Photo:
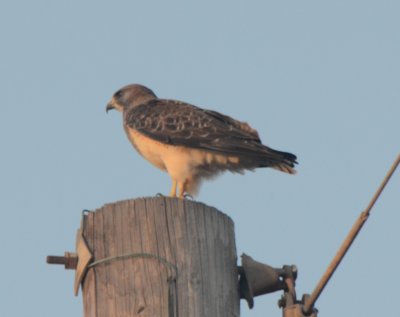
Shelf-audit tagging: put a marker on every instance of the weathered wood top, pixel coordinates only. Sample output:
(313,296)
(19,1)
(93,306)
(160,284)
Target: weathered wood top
(160,256)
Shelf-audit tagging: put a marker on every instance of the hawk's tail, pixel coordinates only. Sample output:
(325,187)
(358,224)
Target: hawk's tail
(282,161)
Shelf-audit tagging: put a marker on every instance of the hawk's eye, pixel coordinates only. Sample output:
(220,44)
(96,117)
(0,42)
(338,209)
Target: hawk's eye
(118,94)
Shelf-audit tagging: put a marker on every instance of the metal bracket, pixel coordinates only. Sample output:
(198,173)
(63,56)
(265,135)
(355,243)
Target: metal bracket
(84,258)
(78,261)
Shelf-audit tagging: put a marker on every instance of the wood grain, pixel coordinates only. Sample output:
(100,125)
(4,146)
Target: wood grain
(182,260)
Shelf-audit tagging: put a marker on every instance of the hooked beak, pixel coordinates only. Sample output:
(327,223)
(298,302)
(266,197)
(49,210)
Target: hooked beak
(110,105)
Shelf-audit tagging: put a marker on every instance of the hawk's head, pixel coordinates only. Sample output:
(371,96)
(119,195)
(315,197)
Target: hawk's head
(130,96)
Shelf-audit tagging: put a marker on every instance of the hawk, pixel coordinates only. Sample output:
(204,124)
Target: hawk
(190,143)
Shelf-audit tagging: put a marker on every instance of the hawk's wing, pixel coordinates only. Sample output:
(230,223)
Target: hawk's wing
(178,123)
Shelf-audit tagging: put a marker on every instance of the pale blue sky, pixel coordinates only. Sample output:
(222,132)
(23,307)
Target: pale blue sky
(319,79)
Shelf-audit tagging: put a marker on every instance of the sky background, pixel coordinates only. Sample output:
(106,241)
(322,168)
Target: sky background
(320,79)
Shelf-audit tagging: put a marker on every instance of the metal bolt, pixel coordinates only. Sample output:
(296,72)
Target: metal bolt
(70,260)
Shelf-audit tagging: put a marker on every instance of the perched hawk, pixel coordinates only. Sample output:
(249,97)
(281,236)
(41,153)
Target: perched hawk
(190,143)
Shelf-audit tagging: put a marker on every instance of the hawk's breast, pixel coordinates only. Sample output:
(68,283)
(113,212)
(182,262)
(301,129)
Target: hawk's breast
(150,149)
(180,160)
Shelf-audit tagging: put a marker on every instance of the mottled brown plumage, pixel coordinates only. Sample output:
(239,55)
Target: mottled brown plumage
(189,142)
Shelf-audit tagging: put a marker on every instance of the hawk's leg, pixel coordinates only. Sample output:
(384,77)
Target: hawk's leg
(172,193)
(182,189)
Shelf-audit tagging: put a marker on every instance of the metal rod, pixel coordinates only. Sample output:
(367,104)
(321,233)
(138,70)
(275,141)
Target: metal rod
(70,260)
(347,242)
(54,259)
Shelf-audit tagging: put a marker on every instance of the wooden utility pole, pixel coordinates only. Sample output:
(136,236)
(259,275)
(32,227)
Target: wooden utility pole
(170,257)
(160,257)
